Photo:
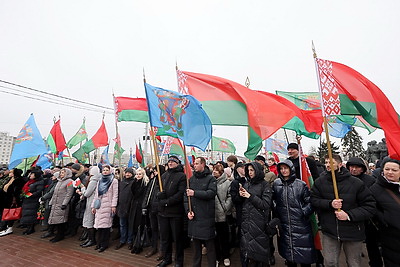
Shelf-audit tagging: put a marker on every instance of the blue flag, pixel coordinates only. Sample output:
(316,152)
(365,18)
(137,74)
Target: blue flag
(276,145)
(338,128)
(45,161)
(178,115)
(104,156)
(130,162)
(28,143)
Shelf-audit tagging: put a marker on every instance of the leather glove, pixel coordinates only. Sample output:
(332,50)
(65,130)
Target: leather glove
(161,195)
(144,211)
(63,207)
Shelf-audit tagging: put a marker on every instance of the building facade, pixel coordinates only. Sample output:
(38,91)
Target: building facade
(6,147)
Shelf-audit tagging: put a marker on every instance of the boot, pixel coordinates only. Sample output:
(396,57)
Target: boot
(91,238)
(29,230)
(50,232)
(84,234)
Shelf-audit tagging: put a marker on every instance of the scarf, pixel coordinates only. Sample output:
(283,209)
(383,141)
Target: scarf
(5,188)
(105,183)
(25,189)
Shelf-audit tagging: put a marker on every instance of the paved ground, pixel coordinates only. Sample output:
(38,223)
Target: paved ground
(19,250)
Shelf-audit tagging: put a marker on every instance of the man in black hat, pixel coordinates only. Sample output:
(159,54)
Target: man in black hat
(171,211)
(293,152)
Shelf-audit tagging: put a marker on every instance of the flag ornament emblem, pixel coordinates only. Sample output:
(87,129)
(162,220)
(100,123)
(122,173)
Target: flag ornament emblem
(172,108)
(329,91)
(26,134)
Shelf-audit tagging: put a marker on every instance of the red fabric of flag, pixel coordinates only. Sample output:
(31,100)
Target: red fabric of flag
(139,157)
(101,136)
(58,136)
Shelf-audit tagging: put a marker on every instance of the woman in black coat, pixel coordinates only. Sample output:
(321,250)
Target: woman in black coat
(139,186)
(387,195)
(12,196)
(256,207)
(293,208)
(31,192)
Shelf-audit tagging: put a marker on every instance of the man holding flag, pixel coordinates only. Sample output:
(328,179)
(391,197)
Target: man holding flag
(342,220)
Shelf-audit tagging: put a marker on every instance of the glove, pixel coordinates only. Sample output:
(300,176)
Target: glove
(161,195)
(41,200)
(63,207)
(144,211)
(163,202)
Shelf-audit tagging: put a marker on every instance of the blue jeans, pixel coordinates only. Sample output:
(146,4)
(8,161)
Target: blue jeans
(126,234)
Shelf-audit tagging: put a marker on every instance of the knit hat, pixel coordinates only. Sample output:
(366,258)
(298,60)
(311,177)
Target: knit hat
(174,159)
(130,170)
(293,146)
(76,166)
(261,158)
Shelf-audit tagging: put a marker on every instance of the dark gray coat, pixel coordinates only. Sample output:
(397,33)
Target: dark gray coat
(202,226)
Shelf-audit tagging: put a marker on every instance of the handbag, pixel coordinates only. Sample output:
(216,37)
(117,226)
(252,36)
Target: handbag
(12,214)
(97,203)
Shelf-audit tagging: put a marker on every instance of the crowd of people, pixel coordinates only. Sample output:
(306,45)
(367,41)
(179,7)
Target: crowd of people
(223,206)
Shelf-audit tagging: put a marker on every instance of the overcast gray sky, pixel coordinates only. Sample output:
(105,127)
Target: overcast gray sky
(86,49)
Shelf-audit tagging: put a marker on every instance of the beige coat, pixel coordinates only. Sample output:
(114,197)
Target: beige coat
(62,195)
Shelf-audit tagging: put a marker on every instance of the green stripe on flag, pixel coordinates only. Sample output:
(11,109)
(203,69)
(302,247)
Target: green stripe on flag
(133,115)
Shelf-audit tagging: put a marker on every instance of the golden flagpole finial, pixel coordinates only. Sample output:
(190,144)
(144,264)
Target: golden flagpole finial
(313,49)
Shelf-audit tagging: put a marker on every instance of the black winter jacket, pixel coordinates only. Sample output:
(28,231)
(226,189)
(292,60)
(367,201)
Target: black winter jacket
(174,185)
(255,241)
(358,203)
(30,205)
(124,197)
(202,226)
(14,193)
(236,198)
(293,208)
(150,201)
(135,213)
(389,217)
(312,165)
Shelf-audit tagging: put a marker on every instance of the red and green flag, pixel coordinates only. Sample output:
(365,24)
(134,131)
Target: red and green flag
(222,145)
(344,91)
(229,103)
(56,140)
(131,109)
(311,101)
(98,140)
(139,154)
(118,150)
(79,137)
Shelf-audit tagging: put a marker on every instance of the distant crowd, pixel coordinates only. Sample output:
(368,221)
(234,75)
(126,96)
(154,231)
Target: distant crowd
(221,207)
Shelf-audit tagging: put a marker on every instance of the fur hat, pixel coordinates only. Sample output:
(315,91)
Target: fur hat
(76,166)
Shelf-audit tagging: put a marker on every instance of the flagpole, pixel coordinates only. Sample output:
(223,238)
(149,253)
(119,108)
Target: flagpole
(335,189)
(153,137)
(187,178)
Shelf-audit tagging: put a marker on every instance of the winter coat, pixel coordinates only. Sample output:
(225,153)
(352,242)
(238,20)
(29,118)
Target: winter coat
(367,179)
(269,176)
(223,200)
(174,186)
(30,205)
(236,198)
(89,194)
(125,196)
(135,213)
(14,193)
(78,205)
(48,194)
(202,226)
(104,217)
(388,213)
(293,208)
(150,201)
(254,240)
(61,197)
(358,203)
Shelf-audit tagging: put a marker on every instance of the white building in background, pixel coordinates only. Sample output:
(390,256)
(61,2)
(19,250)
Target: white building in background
(6,146)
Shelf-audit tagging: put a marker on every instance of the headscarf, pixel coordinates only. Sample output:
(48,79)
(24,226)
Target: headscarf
(105,183)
